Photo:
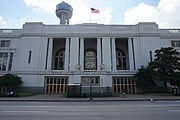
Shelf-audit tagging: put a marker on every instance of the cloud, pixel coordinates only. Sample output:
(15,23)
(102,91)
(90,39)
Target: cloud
(46,5)
(22,19)
(103,17)
(166,13)
(2,22)
(81,12)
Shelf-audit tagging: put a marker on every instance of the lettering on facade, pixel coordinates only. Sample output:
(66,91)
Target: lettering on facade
(32,28)
(148,29)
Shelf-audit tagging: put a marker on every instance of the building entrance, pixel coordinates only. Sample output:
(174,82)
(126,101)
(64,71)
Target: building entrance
(56,84)
(123,83)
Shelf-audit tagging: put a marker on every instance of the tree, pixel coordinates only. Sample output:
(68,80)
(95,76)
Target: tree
(166,64)
(10,81)
(144,78)
(176,80)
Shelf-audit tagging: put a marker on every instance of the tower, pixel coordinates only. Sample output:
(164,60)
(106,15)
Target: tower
(64,12)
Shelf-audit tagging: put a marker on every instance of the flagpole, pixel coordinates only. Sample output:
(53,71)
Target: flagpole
(90,16)
(93,10)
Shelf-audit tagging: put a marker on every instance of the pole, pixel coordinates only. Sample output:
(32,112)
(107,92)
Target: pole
(90,18)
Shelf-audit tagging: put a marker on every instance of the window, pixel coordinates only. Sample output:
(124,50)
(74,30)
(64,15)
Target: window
(56,84)
(5,43)
(5,63)
(94,80)
(59,59)
(90,59)
(120,83)
(175,43)
(29,59)
(120,59)
(150,53)
(7,31)
(173,31)
(10,61)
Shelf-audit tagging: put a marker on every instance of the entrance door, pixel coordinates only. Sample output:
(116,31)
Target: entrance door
(56,84)
(123,83)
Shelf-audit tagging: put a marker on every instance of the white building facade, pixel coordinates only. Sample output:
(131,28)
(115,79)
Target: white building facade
(49,57)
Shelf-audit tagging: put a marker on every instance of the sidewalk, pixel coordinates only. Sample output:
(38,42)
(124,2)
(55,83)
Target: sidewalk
(59,97)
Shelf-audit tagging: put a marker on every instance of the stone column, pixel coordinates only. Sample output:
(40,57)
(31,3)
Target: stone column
(66,65)
(74,53)
(81,53)
(50,57)
(8,59)
(130,53)
(106,54)
(113,54)
(99,59)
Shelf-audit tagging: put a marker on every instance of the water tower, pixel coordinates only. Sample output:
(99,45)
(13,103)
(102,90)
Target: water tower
(64,12)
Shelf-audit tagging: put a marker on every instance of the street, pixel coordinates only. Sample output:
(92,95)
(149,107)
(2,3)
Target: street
(106,110)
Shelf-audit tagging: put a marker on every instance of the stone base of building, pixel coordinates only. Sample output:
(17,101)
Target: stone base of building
(29,89)
(97,91)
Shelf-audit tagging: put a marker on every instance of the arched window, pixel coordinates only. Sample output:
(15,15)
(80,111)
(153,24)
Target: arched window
(120,59)
(90,59)
(59,60)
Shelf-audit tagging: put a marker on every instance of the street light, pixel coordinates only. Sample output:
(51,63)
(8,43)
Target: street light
(91,88)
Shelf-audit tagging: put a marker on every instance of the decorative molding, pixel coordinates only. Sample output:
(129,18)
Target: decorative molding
(78,67)
(7,49)
(102,66)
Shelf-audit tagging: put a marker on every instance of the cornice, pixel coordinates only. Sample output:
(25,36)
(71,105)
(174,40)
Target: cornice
(169,36)
(57,73)
(99,35)
(86,35)
(32,35)
(10,36)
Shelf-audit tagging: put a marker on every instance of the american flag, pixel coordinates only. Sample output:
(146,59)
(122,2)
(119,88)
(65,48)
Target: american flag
(93,10)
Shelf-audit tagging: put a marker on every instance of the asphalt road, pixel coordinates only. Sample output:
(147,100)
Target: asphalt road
(120,110)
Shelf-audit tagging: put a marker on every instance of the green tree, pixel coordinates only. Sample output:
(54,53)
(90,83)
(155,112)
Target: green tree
(166,64)
(176,80)
(144,79)
(10,81)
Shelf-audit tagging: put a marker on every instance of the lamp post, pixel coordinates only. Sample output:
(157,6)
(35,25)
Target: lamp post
(91,88)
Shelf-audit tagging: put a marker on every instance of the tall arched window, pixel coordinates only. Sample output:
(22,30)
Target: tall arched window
(120,59)
(59,60)
(90,59)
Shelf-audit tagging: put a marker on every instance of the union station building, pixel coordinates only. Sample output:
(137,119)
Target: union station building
(50,57)
(94,58)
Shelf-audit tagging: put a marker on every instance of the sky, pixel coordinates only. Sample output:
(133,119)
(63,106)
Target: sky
(14,13)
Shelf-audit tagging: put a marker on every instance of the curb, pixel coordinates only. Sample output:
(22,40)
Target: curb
(78,100)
